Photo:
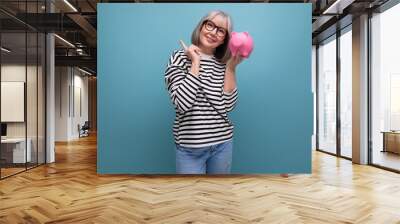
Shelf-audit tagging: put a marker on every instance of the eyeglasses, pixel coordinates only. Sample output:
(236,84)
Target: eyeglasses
(210,26)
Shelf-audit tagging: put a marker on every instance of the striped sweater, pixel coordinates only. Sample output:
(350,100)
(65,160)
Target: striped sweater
(196,100)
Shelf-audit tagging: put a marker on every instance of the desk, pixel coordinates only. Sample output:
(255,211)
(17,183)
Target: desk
(17,152)
(391,141)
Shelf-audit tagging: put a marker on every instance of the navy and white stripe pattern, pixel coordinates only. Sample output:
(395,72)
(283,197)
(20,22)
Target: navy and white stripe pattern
(197,123)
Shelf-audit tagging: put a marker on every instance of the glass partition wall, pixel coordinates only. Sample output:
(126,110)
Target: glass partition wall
(22,88)
(327,95)
(334,94)
(13,89)
(334,106)
(385,89)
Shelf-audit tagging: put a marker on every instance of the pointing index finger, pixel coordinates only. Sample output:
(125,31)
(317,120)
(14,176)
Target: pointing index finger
(183,44)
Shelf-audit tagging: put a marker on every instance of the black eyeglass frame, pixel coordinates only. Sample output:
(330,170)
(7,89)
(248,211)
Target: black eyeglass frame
(225,32)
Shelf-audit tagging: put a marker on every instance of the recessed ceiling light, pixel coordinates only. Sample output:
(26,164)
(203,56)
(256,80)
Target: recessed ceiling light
(84,71)
(338,6)
(70,5)
(5,49)
(64,40)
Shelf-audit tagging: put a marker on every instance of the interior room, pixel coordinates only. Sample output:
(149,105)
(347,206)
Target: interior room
(52,123)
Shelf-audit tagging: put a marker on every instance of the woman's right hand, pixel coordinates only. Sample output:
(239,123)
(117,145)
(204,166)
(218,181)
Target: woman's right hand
(193,52)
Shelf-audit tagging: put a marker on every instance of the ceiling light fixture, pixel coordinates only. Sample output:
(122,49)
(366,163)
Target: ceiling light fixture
(70,5)
(64,40)
(5,49)
(337,7)
(84,71)
(331,7)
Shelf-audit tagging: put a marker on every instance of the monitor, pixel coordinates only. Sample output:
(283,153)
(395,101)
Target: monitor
(3,129)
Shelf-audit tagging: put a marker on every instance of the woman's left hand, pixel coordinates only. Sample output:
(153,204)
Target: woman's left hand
(233,62)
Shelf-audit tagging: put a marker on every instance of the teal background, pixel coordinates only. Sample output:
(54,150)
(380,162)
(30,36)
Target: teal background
(273,117)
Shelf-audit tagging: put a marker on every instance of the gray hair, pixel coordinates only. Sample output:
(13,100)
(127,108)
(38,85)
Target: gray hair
(222,52)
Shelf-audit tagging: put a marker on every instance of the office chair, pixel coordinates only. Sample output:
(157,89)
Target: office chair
(84,130)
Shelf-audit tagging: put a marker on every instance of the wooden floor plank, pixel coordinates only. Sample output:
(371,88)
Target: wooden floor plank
(70,191)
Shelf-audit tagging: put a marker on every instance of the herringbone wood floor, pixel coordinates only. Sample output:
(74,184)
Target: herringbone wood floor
(70,191)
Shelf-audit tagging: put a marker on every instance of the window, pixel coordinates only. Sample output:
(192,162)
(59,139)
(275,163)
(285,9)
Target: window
(346,92)
(327,95)
(385,88)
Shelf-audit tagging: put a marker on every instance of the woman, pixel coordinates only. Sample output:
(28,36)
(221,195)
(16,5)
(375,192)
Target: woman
(202,85)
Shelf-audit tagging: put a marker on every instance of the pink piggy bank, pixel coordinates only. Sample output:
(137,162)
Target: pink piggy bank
(241,44)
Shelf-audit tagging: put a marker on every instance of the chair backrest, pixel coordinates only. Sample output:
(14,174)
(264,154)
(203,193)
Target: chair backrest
(86,125)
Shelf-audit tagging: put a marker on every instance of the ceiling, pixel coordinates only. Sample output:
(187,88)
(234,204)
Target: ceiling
(76,22)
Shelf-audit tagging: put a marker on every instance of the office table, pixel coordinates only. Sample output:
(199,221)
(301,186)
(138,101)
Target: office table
(16,153)
(391,141)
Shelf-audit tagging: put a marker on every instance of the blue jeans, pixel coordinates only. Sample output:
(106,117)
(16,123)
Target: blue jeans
(215,159)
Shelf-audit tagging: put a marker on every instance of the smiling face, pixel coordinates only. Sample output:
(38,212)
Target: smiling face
(213,33)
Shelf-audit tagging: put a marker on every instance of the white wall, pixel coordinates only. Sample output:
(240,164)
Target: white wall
(80,89)
(70,84)
(12,73)
(33,127)
(62,81)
